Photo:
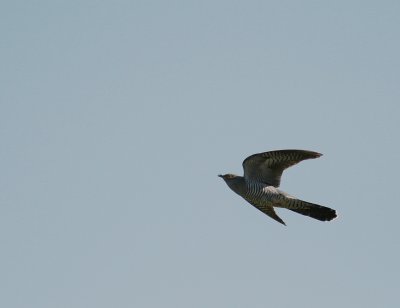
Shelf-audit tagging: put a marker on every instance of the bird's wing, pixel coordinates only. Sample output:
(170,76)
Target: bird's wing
(267,167)
(269,210)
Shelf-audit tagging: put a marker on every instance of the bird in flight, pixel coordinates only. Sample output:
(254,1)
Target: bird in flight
(262,177)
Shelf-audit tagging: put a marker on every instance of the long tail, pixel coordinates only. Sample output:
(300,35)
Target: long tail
(313,210)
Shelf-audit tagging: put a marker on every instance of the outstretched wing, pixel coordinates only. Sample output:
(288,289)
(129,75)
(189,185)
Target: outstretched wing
(269,210)
(267,167)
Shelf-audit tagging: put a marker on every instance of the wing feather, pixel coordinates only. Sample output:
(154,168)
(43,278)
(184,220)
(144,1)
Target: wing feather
(268,167)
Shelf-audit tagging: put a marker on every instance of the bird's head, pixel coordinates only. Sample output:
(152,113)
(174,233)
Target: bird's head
(228,176)
(235,182)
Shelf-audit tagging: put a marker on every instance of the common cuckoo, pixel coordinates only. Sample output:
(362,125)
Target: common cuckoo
(262,176)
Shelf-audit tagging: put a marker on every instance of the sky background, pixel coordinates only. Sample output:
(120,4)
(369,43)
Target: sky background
(117,116)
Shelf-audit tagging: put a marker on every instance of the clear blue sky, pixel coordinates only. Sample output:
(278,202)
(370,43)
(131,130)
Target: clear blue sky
(117,116)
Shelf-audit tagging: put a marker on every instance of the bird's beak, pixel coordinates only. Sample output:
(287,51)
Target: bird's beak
(220,175)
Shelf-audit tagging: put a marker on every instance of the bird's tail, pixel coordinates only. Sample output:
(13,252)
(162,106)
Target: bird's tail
(313,210)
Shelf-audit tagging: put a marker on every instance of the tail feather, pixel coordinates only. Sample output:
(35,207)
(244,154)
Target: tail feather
(314,210)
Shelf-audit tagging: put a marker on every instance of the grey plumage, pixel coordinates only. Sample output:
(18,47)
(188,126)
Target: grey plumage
(262,177)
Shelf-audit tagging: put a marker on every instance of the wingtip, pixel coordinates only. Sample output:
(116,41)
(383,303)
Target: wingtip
(317,154)
(281,221)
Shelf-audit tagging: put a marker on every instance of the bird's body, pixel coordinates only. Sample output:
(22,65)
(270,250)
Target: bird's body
(259,185)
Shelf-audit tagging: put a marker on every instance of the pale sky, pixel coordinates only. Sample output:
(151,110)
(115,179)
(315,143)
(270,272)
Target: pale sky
(117,116)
